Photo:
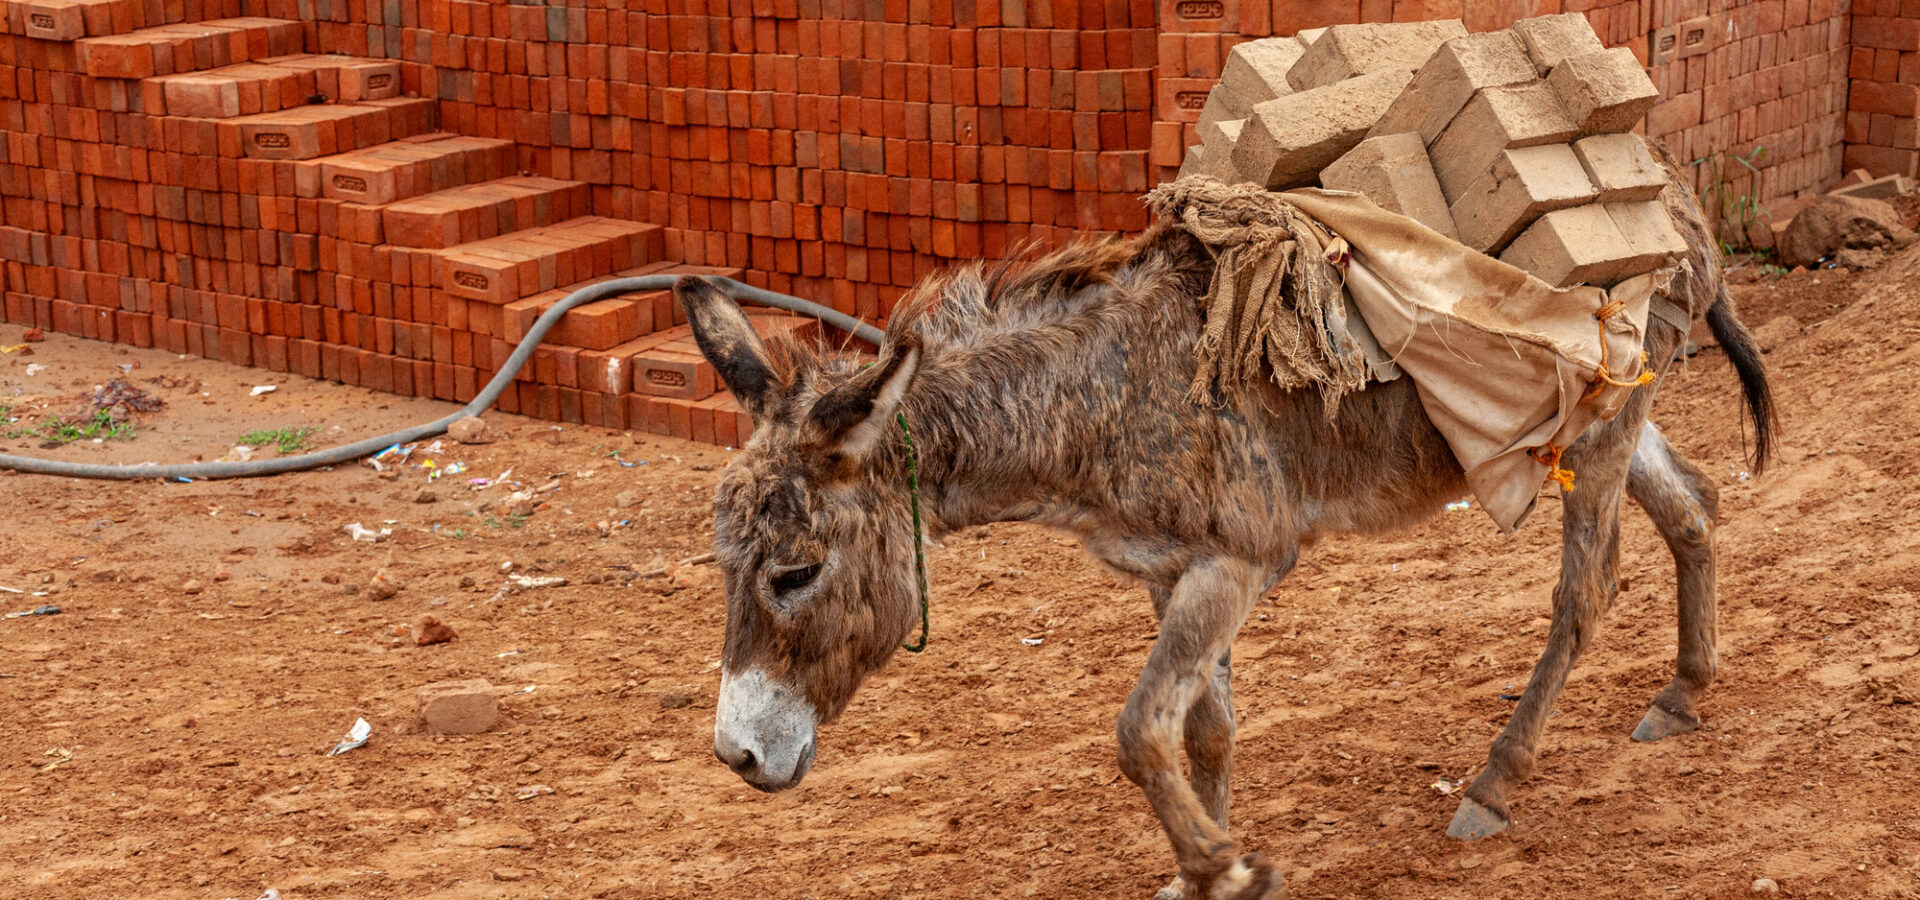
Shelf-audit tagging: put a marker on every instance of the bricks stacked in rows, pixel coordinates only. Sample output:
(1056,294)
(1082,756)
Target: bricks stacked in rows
(1883,94)
(1513,142)
(220,211)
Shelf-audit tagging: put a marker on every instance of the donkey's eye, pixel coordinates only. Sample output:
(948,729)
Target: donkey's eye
(792,578)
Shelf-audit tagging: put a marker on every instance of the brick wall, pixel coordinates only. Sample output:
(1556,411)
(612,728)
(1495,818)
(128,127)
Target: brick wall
(1883,99)
(1734,75)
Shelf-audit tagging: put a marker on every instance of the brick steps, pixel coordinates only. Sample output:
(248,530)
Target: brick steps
(405,168)
(187,47)
(474,212)
(513,266)
(268,86)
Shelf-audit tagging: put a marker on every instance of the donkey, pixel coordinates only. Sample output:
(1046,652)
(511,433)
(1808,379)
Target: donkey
(1057,393)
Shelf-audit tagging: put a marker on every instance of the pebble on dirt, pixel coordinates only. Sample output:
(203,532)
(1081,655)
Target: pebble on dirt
(677,698)
(1765,886)
(384,585)
(471,430)
(458,707)
(627,499)
(430,630)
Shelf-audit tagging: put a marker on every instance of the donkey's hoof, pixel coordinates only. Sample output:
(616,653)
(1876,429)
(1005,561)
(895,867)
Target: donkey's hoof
(1472,821)
(1659,723)
(1178,890)
(1251,878)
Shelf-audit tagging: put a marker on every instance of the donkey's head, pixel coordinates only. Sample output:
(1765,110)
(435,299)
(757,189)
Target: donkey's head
(812,532)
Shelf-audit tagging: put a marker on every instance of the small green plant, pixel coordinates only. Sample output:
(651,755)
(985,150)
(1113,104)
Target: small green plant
(290,439)
(517,521)
(1774,270)
(459,534)
(1736,211)
(102,426)
(491,522)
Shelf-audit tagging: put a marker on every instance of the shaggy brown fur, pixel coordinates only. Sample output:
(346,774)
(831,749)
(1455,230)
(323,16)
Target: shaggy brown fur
(1056,393)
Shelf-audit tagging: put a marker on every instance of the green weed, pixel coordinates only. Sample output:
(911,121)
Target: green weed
(290,439)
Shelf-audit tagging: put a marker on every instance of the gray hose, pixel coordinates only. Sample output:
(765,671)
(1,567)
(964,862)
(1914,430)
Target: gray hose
(481,403)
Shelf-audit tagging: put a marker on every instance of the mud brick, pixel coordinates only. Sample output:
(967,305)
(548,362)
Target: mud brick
(1457,70)
(1604,92)
(680,374)
(1256,71)
(1221,105)
(700,421)
(1652,239)
(598,325)
(1217,161)
(1393,171)
(52,20)
(1551,39)
(1497,119)
(484,278)
(236,347)
(457,707)
(1621,166)
(1193,163)
(1524,183)
(366,79)
(1287,141)
(1347,51)
(1198,16)
(207,96)
(1580,245)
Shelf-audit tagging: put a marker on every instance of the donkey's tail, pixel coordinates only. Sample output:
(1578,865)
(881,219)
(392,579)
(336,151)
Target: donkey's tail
(1745,355)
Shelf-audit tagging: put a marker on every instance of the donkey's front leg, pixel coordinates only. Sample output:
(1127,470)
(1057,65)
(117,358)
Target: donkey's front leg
(1589,563)
(1197,626)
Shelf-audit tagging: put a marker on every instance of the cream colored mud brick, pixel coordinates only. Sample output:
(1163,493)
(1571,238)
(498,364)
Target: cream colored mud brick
(1604,92)
(1256,71)
(1346,51)
(1393,171)
(1191,163)
(1222,134)
(1496,119)
(1307,37)
(1443,86)
(1652,241)
(1524,184)
(1287,141)
(458,707)
(1621,166)
(1573,246)
(1550,39)
(1219,107)
(1218,164)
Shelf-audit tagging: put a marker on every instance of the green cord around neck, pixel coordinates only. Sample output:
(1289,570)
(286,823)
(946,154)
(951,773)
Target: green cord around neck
(919,552)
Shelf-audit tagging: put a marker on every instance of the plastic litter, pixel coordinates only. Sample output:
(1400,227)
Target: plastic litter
(47,610)
(531,791)
(271,894)
(35,369)
(356,738)
(259,389)
(1447,787)
(362,533)
(1459,505)
(1033,642)
(529,582)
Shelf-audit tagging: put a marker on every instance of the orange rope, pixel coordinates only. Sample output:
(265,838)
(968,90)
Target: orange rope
(1551,459)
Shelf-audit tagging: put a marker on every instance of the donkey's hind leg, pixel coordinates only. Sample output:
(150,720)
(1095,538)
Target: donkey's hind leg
(1589,563)
(1209,731)
(1684,505)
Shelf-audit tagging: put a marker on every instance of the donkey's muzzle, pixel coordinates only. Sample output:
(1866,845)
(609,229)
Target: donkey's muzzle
(763,731)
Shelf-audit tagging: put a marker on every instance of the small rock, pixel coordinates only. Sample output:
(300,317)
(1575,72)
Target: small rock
(471,430)
(34,336)
(627,499)
(193,586)
(1777,331)
(1835,222)
(457,707)
(1765,886)
(383,586)
(331,578)
(522,508)
(426,496)
(221,574)
(677,698)
(429,630)
(509,874)
(466,581)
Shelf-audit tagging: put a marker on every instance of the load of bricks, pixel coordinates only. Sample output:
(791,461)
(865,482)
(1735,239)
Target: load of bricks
(1517,143)
(189,178)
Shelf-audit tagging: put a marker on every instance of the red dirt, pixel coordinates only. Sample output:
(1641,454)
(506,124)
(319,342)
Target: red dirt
(167,744)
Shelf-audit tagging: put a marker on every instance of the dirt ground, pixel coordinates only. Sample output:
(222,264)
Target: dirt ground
(166,734)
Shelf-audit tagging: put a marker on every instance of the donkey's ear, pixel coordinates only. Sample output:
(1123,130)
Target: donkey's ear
(728,341)
(851,418)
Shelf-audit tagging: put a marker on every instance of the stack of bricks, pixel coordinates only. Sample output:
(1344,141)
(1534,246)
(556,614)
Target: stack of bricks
(836,150)
(1883,99)
(209,187)
(1733,76)
(1513,142)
